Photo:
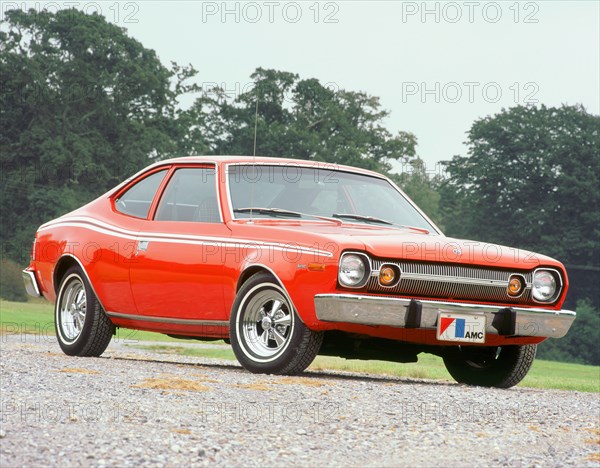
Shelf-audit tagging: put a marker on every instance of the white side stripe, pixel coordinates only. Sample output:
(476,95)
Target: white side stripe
(108,229)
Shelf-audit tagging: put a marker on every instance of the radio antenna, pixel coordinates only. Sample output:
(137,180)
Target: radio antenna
(254,154)
(255,126)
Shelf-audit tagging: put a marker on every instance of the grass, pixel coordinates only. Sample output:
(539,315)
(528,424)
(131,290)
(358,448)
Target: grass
(543,374)
(36,317)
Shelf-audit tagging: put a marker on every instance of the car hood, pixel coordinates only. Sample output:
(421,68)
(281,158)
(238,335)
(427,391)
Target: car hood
(406,244)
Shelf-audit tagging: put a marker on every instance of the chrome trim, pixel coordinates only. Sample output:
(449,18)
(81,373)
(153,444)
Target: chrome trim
(455,279)
(559,288)
(228,193)
(459,281)
(217,193)
(148,318)
(30,282)
(392,312)
(142,246)
(368,272)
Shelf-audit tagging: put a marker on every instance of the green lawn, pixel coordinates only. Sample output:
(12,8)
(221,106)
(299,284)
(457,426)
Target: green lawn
(36,318)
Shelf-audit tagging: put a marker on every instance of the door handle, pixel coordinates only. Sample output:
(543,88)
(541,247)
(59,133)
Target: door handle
(142,246)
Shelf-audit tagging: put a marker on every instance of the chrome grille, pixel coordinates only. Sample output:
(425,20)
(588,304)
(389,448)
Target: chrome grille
(421,279)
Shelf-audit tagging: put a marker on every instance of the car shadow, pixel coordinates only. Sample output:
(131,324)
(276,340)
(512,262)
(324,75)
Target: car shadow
(324,375)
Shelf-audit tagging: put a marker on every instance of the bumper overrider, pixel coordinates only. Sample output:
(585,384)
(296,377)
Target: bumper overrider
(31,285)
(423,314)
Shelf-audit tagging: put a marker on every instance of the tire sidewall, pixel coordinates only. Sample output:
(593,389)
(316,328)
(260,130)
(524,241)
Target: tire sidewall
(497,374)
(77,345)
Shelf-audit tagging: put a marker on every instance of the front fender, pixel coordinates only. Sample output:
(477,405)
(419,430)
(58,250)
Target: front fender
(299,275)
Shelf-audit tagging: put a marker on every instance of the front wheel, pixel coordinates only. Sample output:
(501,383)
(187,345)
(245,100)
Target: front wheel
(82,327)
(496,366)
(267,335)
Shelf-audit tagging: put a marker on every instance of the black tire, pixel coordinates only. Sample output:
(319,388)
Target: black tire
(277,343)
(82,327)
(501,367)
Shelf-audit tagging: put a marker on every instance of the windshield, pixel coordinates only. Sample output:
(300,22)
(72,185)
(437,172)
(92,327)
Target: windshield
(271,191)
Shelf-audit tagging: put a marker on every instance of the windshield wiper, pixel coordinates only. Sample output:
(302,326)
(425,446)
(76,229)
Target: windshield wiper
(271,211)
(372,219)
(414,228)
(369,219)
(282,212)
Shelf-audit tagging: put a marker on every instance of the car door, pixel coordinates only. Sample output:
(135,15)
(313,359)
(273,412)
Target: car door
(114,240)
(177,271)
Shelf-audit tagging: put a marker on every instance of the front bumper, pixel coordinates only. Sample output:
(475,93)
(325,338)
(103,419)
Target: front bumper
(407,313)
(31,285)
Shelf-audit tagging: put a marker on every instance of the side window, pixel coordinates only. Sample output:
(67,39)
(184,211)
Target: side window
(191,195)
(137,200)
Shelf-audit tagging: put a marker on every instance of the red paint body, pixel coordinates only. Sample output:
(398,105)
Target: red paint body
(192,270)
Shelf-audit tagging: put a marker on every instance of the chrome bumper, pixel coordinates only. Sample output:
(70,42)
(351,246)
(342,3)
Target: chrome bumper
(406,313)
(31,285)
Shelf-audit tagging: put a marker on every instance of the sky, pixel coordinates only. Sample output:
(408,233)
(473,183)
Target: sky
(436,66)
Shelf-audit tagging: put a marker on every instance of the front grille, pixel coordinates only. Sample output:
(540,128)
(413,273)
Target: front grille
(446,281)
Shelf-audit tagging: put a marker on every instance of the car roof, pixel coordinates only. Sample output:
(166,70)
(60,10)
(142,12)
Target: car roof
(224,160)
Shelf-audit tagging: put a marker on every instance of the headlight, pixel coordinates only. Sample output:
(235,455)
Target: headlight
(544,286)
(353,271)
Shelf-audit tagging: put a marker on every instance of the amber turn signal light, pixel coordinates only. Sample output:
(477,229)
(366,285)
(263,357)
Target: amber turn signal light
(387,276)
(515,286)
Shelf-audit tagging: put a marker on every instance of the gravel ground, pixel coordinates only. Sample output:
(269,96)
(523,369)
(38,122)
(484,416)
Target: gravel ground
(132,407)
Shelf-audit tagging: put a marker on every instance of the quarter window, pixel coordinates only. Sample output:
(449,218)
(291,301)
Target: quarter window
(191,195)
(137,200)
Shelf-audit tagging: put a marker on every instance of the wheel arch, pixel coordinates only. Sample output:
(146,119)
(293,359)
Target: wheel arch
(255,268)
(252,270)
(63,264)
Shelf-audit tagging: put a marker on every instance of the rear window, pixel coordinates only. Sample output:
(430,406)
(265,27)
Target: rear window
(137,200)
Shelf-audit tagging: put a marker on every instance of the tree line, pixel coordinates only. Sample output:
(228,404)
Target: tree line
(83,105)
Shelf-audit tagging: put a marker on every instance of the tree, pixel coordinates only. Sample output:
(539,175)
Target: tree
(11,283)
(296,118)
(530,180)
(581,344)
(82,106)
(415,181)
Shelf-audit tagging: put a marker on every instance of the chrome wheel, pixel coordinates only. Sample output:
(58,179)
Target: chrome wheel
(267,323)
(72,309)
(267,335)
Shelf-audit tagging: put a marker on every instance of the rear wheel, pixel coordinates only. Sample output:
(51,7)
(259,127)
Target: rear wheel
(497,366)
(267,335)
(82,327)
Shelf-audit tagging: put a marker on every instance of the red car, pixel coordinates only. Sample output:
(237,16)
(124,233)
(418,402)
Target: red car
(288,259)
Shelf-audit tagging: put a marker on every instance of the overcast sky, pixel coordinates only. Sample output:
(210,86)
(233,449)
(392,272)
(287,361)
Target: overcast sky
(437,66)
